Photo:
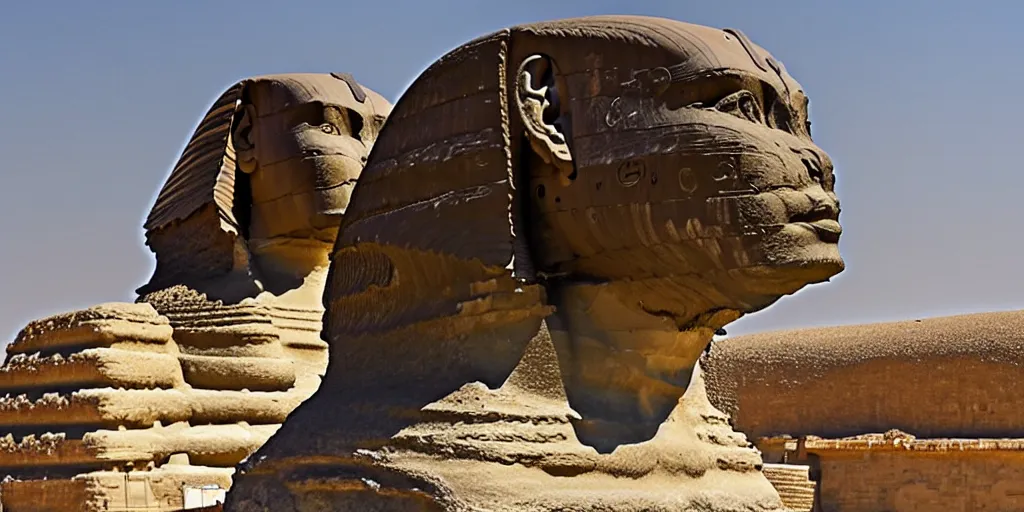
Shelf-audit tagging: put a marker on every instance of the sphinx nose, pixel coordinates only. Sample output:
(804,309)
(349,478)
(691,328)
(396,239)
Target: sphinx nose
(817,165)
(823,202)
(813,168)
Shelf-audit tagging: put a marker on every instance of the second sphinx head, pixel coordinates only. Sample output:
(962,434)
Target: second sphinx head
(264,180)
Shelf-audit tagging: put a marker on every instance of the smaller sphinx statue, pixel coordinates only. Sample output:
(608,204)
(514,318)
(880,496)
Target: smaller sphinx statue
(252,287)
(123,406)
(551,227)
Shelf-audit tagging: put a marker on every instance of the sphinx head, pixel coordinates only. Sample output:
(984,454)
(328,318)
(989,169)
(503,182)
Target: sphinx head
(671,162)
(302,142)
(680,154)
(669,184)
(264,180)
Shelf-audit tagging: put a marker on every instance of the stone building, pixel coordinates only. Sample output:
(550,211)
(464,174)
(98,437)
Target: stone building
(905,416)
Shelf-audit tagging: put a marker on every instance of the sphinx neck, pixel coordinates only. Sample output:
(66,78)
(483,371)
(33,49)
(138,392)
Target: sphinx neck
(283,263)
(625,369)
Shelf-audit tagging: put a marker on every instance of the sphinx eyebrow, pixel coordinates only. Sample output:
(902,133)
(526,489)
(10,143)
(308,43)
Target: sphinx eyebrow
(679,76)
(756,56)
(749,47)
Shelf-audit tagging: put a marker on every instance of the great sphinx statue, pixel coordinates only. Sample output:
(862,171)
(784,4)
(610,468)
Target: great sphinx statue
(130,406)
(548,232)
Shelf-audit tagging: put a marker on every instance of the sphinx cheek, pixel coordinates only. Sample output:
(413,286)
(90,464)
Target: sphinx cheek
(334,179)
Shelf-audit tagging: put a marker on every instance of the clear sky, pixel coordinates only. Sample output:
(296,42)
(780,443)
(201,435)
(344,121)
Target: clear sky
(916,101)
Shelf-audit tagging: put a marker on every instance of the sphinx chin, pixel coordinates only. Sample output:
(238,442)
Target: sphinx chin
(799,258)
(819,266)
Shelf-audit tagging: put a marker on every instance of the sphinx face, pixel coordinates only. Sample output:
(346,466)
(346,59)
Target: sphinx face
(705,175)
(303,150)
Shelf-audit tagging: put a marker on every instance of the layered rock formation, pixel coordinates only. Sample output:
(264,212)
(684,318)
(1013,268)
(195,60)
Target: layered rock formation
(151,405)
(917,415)
(552,225)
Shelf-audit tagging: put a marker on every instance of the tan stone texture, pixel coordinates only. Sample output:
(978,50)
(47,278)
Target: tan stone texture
(793,482)
(552,224)
(118,406)
(843,399)
(935,378)
(152,490)
(896,471)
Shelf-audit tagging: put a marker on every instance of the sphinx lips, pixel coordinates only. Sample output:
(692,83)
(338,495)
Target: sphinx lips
(823,221)
(828,230)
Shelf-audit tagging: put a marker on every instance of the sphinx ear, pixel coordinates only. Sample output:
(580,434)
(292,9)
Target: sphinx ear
(539,101)
(243,138)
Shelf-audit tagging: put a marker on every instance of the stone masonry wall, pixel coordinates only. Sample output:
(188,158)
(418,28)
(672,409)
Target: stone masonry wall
(899,481)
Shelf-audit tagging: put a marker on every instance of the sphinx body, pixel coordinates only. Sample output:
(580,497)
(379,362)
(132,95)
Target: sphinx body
(122,405)
(547,233)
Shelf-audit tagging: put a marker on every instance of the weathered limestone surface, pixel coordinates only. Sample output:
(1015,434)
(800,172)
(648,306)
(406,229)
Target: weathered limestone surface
(843,399)
(123,406)
(935,378)
(550,228)
(896,471)
(794,484)
(157,489)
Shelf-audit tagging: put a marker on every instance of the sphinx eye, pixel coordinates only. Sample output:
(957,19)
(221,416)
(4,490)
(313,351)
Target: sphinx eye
(342,121)
(742,104)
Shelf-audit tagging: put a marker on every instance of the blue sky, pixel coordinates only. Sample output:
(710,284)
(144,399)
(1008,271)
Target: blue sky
(917,103)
